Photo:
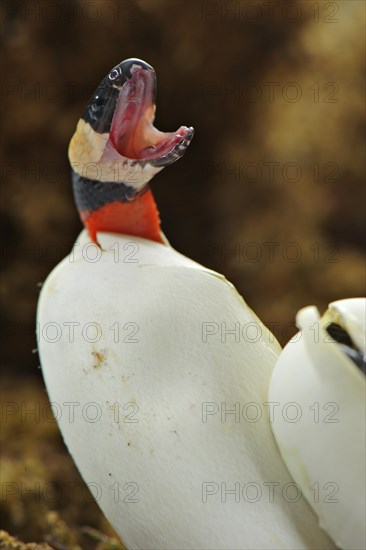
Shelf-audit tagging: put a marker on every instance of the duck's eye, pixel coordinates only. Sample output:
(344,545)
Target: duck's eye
(113,75)
(99,100)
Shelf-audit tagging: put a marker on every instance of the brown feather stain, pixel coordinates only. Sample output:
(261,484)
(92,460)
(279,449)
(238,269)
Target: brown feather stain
(100,359)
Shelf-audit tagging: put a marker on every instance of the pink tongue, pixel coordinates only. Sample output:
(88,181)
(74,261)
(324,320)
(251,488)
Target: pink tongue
(123,129)
(135,138)
(132,133)
(131,104)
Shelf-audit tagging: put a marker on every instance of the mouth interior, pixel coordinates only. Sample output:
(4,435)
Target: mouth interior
(133,134)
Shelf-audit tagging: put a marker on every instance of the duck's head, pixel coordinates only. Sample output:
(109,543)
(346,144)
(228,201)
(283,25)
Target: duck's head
(116,150)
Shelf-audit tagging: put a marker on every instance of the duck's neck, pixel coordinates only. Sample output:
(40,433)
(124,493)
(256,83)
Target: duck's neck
(139,218)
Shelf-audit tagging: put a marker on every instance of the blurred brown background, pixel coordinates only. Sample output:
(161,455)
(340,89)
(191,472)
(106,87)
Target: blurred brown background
(270,192)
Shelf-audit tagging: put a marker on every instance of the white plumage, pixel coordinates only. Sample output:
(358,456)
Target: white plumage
(181,458)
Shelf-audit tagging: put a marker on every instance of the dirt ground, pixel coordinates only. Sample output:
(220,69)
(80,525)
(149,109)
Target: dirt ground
(270,193)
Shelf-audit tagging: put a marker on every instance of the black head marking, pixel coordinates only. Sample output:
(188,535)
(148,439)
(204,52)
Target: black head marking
(91,195)
(100,109)
(101,106)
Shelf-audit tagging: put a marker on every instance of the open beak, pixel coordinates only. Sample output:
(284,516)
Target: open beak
(133,134)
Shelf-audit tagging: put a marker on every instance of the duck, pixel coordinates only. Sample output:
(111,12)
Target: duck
(158,370)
